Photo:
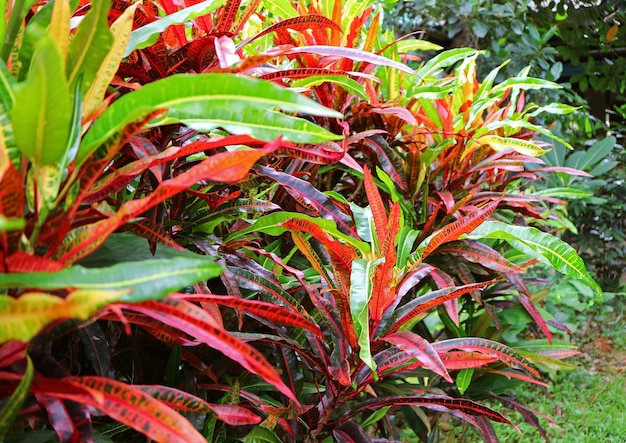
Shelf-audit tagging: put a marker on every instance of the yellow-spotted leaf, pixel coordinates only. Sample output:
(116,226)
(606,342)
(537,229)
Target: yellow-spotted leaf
(22,318)
(60,25)
(121,29)
(523,147)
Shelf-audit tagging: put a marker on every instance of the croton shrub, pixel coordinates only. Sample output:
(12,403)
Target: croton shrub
(263,221)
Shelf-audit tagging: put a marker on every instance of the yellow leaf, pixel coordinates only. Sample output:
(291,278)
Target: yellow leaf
(24,317)
(60,25)
(121,30)
(612,33)
(523,147)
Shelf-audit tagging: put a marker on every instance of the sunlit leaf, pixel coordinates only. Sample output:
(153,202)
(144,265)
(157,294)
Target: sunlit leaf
(22,318)
(146,280)
(147,34)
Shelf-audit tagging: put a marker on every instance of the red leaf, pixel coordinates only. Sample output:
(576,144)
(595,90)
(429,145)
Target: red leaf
(194,321)
(269,311)
(184,401)
(420,349)
(300,23)
(436,402)
(506,355)
(482,254)
(462,226)
(11,201)
(227,167)
(428,301)
(24,262)
(455,360)
(376,203)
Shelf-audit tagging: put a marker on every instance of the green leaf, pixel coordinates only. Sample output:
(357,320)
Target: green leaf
(22,318)
(42,111)
(280,8)
(90,45)
(350,85)
(15,402)
(360,293)
(195,95)
(261,124)
(463,379)
(536,244)
(375,416)
(148,34)
(148,280)
(443,60)
(259,434)
(405,46)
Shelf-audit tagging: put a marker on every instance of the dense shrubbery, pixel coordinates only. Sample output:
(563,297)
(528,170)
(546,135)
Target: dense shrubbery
(336,249)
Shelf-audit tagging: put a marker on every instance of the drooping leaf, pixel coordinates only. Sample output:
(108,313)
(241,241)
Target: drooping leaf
(520,146)
(24,317)
(198,323)
(421,349)
(352,54)
(436,402)
(195,95)
(435,298)
(131,407)
(146,280)
(505,354)
(269,311)
(186,402)
(539,245)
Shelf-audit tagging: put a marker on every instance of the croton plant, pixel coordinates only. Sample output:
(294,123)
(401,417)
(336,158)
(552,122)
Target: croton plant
(263,221)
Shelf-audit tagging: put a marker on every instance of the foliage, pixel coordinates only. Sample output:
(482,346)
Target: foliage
(335,241)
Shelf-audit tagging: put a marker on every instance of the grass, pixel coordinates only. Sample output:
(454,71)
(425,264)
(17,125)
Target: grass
(588,404)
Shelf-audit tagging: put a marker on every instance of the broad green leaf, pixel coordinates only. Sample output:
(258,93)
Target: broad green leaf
(22,318)
(360,293)
(416,45)
(350,85)
(259,123)
(90,45)
(562,193)
(524,83)
(259,434)
(280,8)
(376,416)
(597,152)
(272,225)
(147,34)
(147,280)
(195,94)
(121,29)
(42,111)
(443,60)
(523,147)
(540,245)
(15,402)
(463,379)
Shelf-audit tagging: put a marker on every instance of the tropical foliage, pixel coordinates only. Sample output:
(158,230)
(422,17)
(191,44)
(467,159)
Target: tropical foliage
(253,221)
